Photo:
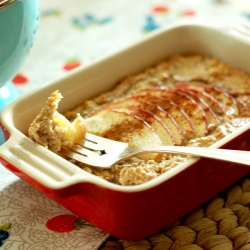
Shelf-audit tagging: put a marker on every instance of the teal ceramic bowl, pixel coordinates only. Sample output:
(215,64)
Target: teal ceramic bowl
(18,25)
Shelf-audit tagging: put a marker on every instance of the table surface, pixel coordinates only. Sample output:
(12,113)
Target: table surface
(72,34)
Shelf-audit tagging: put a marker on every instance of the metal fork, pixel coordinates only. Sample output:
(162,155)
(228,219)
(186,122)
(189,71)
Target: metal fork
(101,152)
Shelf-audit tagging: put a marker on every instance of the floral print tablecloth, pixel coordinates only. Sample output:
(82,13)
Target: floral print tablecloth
(29,220)
(70,34)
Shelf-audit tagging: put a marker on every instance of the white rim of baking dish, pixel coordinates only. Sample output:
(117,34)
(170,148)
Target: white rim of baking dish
(55,172)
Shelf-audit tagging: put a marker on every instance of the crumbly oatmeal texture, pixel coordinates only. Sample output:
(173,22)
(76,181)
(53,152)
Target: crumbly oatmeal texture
(167,73)
(43,129)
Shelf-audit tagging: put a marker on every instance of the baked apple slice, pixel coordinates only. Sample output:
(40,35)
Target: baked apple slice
(213,103)
(125,127)
(164,116)
(154,121)
(174,110)
(227,101)
(212,118)
(194,111)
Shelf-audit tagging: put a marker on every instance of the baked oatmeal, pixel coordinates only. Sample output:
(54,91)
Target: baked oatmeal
(52,130)
(189,100)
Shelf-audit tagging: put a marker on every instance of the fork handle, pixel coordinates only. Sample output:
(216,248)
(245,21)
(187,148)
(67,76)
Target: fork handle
(234,156)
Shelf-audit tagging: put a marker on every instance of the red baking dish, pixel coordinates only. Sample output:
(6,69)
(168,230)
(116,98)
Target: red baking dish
(127,212)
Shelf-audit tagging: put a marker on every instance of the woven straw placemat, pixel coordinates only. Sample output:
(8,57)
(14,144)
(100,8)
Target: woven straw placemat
(221,224)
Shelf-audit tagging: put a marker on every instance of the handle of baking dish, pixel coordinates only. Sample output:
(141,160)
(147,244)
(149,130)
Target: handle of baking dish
(30,160)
